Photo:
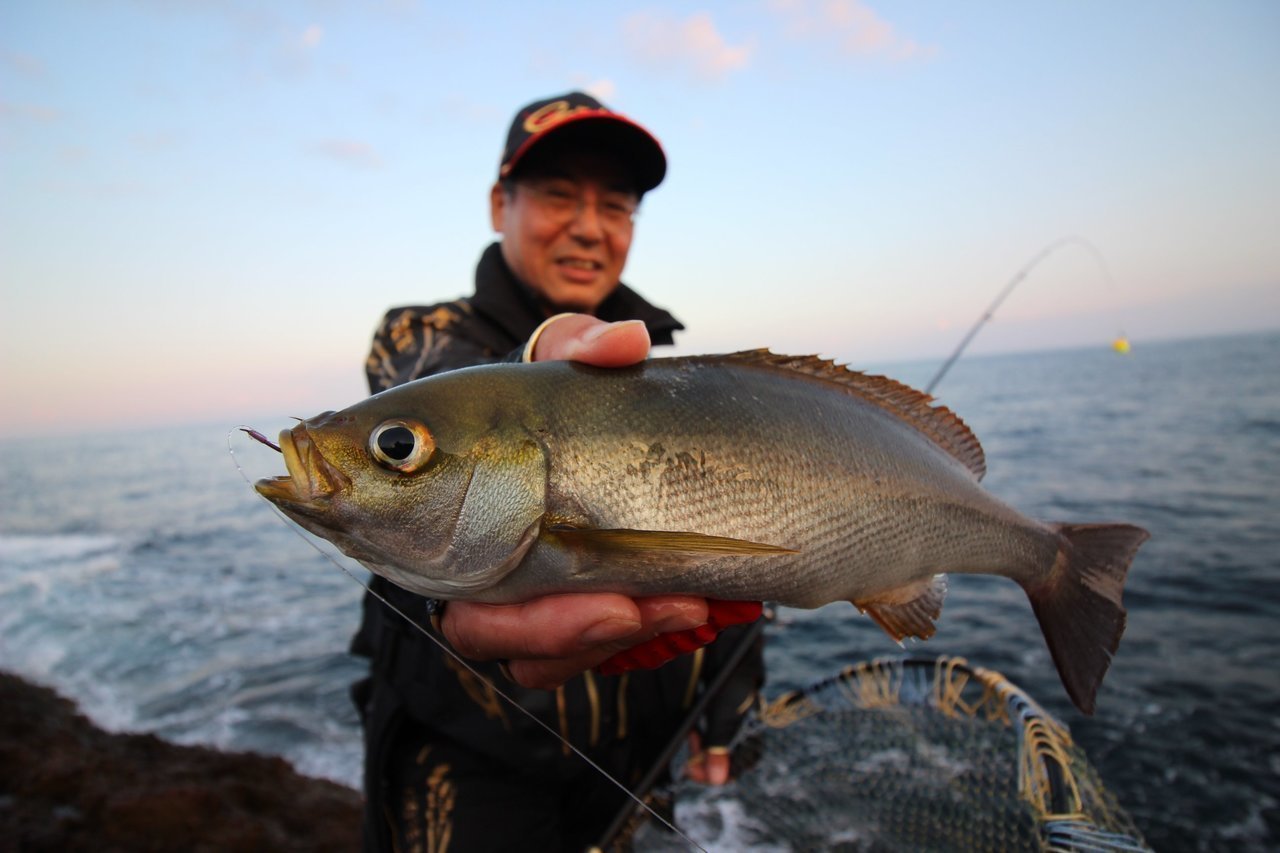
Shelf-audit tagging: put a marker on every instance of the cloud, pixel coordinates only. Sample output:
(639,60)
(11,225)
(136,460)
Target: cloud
(122,187)
(350,152)
(29,112)
(71,155)
(854,27)
(157,141)
(693,44)
(297,52)
(602,90)
(460,106)
(24,64)
(312,36)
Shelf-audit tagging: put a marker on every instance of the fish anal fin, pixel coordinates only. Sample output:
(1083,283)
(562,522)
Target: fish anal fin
(907,611)
(623,541)
(938,423)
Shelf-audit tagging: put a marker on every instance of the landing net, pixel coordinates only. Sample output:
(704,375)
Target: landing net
(904,754)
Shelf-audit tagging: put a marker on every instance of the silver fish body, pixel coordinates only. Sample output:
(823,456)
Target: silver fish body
(744,477)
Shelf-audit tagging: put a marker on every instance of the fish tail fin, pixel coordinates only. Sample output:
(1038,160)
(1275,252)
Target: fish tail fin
(1078,603)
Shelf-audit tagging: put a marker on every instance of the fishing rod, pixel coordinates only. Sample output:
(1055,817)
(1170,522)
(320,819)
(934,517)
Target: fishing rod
(1008,288)
(668,752)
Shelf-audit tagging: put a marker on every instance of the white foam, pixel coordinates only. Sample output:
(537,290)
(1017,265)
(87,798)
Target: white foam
(722,825)
(1253,827)
(43,562)
(27,549)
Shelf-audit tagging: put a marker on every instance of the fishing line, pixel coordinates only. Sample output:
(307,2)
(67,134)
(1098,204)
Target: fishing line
(257,436)
(1008,288)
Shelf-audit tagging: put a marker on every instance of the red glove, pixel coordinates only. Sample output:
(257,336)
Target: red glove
(653,653)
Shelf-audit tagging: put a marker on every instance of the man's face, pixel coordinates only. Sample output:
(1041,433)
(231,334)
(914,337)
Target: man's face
(566,229)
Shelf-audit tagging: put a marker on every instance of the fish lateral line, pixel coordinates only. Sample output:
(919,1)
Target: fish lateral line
(631,541)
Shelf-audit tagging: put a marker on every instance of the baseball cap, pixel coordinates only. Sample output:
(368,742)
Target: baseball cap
(578,116)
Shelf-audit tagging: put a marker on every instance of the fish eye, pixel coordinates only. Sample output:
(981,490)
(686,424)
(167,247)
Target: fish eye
(401,445)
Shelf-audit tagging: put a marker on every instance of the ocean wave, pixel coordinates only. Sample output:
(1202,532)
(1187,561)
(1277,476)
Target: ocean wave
(37,549)
(43,562)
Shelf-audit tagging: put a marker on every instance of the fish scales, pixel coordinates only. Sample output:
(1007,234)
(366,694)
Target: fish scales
(760,456)
(744,477)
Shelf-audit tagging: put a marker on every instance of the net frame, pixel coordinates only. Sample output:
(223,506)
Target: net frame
(1072,808)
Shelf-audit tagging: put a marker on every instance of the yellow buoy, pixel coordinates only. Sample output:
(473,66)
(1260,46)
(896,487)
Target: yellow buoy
(1121,345)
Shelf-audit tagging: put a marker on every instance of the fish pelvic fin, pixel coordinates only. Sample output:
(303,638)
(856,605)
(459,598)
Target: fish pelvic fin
(938,423)
(908,611)
(1079,604)
(624,541)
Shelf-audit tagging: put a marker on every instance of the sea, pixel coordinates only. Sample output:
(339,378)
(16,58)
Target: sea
(142,577)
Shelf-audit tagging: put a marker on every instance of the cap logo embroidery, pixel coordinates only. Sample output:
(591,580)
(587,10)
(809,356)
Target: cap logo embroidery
(552,114)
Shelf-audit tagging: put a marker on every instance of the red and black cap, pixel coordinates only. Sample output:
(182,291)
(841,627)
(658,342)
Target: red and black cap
(578,118)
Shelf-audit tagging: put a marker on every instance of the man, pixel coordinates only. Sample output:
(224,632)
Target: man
(449,765)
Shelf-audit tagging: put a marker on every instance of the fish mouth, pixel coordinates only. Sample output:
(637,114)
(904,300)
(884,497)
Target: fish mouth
(311,480)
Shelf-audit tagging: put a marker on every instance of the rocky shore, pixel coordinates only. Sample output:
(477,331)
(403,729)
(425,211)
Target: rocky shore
(67,785)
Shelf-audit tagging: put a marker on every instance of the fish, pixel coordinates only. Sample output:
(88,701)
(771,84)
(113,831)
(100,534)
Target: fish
(750,476)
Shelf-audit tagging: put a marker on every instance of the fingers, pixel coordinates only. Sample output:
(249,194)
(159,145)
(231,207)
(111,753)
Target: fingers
(717,765)
(549,640)
(581,337)
(659,615)
(709,766)
(552,626)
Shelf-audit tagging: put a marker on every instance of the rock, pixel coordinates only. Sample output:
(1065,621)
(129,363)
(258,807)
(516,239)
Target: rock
(67,785)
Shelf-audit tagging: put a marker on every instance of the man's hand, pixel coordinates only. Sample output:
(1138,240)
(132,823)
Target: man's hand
(581,337)
(709,766)
(549,640)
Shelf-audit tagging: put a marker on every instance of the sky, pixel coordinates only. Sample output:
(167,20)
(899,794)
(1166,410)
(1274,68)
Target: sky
(206,206)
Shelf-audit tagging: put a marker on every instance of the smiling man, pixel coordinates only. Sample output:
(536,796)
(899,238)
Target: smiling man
(448,764)
(566,226)
(572,177)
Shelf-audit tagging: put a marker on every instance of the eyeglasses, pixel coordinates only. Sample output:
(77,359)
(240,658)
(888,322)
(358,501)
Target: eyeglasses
(564,201)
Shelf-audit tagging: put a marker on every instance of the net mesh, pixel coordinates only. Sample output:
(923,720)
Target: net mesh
(905,754)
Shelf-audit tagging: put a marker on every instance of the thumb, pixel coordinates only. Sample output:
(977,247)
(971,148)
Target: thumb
(590,340)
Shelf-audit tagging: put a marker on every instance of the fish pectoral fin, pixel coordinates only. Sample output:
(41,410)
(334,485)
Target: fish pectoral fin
(623,541)
(907,611)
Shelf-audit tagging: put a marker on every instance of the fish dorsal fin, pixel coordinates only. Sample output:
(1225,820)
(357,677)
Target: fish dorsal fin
(938,423)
